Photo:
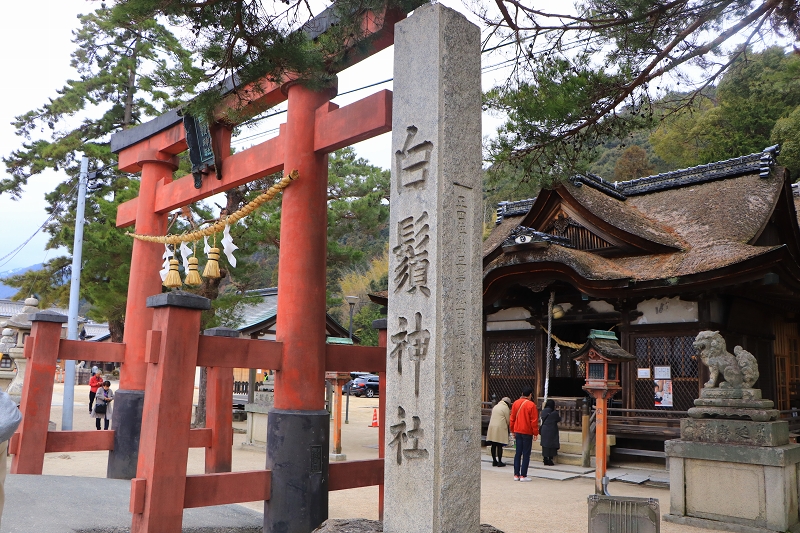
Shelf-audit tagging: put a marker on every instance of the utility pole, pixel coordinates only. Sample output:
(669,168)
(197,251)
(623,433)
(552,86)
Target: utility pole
(74,297)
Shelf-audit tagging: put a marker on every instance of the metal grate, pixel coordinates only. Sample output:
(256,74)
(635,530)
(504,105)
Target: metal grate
(512,367)
(621,514)
(677,353)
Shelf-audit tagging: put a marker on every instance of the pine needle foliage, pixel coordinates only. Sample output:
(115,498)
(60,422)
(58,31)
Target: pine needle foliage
(580,77)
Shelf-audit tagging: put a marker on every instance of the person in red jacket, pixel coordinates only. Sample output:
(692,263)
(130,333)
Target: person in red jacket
(524,424)
(95,382)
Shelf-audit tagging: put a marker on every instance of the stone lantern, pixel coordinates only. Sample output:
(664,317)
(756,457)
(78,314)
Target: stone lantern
(20,325)
(7,341)
(603,357)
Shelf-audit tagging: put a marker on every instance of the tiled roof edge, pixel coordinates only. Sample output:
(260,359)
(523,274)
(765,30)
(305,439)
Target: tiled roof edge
(596,182)
(759,162)
(762,162)
(513,209)
(268,291)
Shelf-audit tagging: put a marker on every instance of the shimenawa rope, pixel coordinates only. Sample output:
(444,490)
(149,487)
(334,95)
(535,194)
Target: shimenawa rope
(220,224)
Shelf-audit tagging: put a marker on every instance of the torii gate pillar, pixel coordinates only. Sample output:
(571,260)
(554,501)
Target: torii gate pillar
(146,258)
(298,426)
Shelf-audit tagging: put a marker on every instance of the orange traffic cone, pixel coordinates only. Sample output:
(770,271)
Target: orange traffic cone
(374,418)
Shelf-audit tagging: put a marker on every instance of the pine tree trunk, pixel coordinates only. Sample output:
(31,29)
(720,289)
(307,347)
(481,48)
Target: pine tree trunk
(200,412)
(116,328)
(210,289)
(127,121)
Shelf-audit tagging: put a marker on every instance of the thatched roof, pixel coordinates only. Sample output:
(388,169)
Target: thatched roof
(663,227)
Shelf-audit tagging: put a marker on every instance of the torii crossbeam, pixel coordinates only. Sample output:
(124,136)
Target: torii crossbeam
(314,127)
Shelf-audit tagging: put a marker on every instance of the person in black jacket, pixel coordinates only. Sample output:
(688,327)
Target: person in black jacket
(549,432)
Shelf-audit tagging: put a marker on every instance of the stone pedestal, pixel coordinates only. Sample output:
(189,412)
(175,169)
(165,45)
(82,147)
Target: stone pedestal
(733,404)
(257,415)
(7,371)
(732,473)
(20,324)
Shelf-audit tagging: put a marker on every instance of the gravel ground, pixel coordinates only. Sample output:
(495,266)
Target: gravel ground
(512,507)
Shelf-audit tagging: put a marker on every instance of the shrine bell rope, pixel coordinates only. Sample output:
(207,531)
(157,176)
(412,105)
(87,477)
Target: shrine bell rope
(226,221)
(573,345)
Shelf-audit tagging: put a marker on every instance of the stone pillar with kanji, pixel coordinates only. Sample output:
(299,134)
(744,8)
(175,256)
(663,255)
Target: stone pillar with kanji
(432,430)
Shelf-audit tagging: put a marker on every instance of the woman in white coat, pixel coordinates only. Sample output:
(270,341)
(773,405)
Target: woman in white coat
(497,434)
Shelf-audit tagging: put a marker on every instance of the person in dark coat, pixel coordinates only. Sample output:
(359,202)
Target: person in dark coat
(549,432)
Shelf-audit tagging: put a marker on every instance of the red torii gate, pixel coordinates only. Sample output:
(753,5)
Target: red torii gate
(314,127)
(162,489)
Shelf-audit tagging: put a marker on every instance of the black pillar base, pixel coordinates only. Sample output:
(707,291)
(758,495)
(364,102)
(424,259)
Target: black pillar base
(297,455)
(126,421)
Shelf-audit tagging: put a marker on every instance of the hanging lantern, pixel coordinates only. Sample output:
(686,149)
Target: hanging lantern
(173,279)
(193,278)
(212,265)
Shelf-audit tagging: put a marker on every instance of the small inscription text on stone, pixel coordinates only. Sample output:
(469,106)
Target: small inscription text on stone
(460,365)
(316,459)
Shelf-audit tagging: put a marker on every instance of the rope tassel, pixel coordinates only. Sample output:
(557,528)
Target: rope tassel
(173,278)
(193,278)
(212,265)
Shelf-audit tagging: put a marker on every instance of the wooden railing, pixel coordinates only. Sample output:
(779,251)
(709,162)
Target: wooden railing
(570,417)
(646,423)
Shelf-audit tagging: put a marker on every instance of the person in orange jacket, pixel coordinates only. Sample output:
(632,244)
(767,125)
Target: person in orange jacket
(524,424)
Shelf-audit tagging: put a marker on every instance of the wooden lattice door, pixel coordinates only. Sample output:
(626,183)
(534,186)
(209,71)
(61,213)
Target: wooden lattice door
(511,367)
(678,354)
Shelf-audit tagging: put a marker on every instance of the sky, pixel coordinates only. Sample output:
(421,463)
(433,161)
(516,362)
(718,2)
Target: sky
(42,66)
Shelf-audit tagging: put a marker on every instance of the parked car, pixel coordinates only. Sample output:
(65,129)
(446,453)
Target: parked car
(354,375)
(368,386)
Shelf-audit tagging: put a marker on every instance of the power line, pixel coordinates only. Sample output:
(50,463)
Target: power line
(56,210)
(239,140)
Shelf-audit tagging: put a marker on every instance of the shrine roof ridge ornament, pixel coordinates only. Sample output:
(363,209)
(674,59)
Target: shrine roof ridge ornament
(129,137)
(596,182)
(522,238)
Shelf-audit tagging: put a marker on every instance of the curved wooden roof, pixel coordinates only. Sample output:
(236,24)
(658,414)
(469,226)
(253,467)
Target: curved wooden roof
(706,225)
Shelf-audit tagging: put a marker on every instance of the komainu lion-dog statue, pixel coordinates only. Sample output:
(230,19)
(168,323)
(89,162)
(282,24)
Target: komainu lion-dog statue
(740,371)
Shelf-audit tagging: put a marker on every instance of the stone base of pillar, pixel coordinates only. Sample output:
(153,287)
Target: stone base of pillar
(297,455)
(734,487)
(338,457)
(126,422)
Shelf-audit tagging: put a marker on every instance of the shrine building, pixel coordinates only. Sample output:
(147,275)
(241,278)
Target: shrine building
(656,260)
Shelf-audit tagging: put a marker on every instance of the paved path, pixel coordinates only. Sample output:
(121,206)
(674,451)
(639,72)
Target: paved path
(60,504)
(626,474)
(546,505)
